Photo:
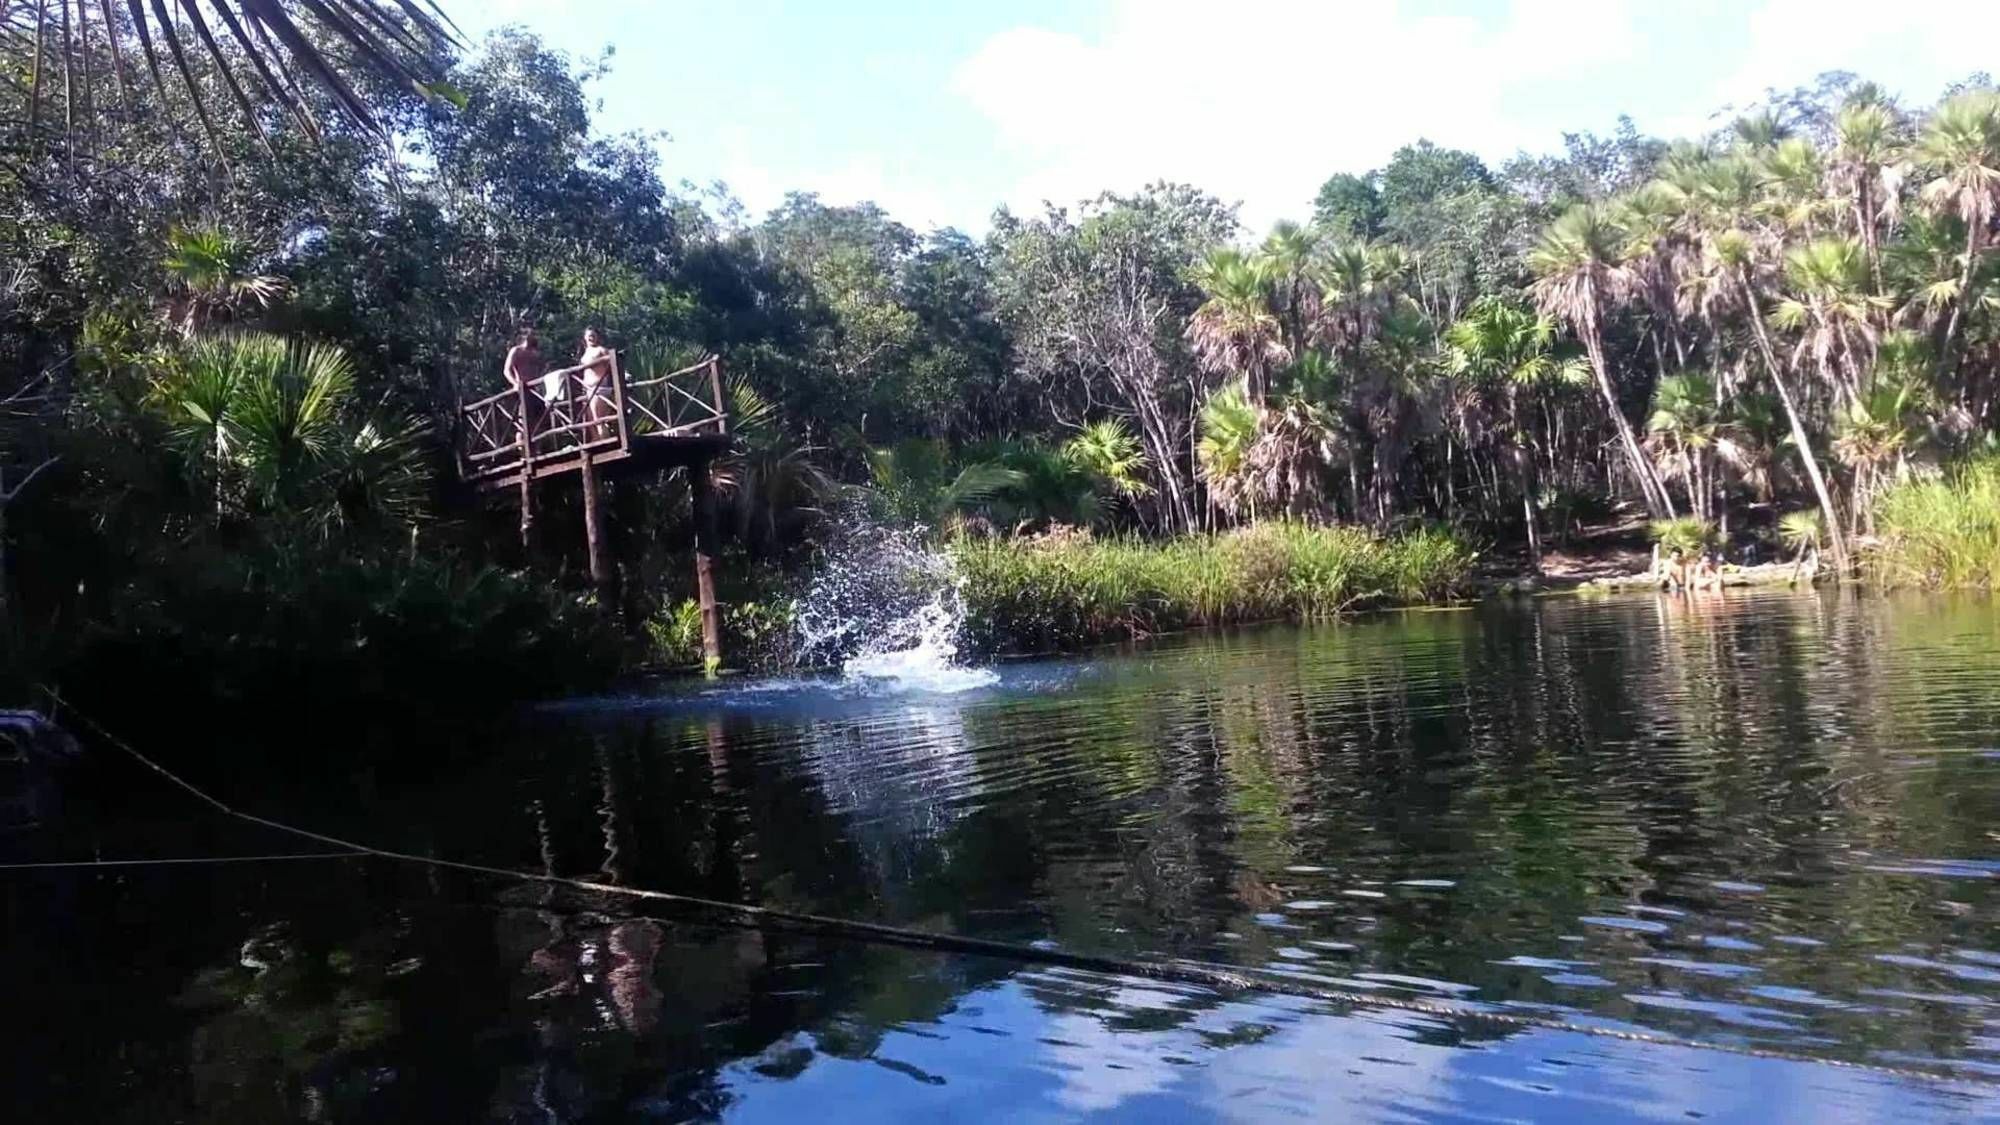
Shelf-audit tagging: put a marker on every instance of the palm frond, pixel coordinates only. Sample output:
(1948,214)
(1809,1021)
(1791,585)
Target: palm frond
(271,48)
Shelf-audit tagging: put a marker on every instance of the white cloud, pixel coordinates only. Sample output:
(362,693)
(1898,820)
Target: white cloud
(1261,100)
(898,186)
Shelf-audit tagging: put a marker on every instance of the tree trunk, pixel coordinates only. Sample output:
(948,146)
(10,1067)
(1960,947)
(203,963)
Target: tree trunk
(704,566)
(1657,502)
(1525,465)
(1799,436)
(593,532)
(1945,358)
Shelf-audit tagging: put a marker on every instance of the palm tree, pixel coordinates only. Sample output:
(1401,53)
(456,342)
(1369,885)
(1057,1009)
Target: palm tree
(1874,435)
(1286,466)
(1960,148)
(1578,272)
(1866,167)
(1658,253)
(1234,333)
(772,484)
(1499,343)
(1801,531)
(1730,254)
(1832,310)
(212,270)
(262,49)
(1108,452)
(271,422)
(1795,185)
(1359,286)
(1288,255)
(376,476)
(287,414)
(1688,433)
(1229,428)
(1761,131)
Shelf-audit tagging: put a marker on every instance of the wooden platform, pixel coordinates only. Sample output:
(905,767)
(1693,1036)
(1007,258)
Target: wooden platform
(557,426)
(643,452)
(624,423)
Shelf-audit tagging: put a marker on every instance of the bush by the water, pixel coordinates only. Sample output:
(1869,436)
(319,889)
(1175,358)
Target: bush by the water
(1065,590)
(314,643)
(756,634)
(1942,533)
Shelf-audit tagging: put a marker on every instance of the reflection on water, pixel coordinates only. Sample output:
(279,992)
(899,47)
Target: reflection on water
(1765,822)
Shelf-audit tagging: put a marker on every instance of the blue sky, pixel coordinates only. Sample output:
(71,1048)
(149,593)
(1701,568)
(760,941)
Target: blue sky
(941,110)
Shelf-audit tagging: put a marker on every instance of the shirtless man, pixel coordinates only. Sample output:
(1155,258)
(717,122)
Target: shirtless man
(595,366)
(1674,575)
(523,367)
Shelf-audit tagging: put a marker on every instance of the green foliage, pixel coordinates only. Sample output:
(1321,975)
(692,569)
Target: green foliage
(1111,456)
(1229,426)
(755,634)
(273,427)
(1801,530)
(1942,533)
(675,634)
(1687,535)
(329,638)
(1062,592)
(1349,206)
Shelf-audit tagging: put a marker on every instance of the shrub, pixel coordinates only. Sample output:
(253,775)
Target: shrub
(755,634)
(1687,535)
(308,644)
(1801,530)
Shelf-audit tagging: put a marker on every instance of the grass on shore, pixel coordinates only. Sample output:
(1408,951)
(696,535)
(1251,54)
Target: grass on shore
(1942,533)
(1062,592)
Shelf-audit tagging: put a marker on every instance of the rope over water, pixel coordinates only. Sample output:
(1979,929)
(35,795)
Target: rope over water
(1228,981)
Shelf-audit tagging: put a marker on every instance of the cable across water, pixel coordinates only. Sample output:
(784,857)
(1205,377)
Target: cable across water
(1222,979)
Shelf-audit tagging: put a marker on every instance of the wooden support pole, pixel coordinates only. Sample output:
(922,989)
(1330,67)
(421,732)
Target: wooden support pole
(715,387)
(527,439)
(618,403)
(593,536)
(704,565)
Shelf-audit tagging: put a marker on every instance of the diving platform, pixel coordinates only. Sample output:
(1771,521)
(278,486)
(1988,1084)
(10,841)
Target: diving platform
(555,426)
(650,422)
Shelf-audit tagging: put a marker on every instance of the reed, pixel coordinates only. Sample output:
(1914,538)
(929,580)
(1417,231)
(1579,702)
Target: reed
(1941,533)
(1061,592)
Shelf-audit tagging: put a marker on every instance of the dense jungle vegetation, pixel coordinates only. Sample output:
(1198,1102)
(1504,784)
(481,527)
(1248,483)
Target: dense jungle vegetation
(245,290)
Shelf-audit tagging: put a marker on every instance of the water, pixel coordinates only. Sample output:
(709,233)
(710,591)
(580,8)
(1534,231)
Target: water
(884,607)
(1767,822)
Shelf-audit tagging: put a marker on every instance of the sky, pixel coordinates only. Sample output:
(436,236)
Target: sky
(941,110)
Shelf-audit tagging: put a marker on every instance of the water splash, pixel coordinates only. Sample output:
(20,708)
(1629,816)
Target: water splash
(885,608)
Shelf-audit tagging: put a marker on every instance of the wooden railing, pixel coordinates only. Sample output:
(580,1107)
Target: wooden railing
(556,419)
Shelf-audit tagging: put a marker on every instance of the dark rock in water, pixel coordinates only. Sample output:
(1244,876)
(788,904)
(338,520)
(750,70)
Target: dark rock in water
(31,749)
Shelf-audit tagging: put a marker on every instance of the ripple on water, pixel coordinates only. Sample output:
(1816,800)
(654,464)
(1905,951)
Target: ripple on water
(1700,968)
(1741,1015)
(1635,925)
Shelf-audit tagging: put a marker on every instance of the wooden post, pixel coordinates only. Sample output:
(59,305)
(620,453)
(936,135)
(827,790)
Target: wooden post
(593,538)
(527,439)
(704,565)
(618,402)
(715,385)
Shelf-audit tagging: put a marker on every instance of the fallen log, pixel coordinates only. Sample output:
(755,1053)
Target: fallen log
(1765,574)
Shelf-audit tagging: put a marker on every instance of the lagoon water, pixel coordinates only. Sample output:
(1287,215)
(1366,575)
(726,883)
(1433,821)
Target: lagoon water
(1768,823)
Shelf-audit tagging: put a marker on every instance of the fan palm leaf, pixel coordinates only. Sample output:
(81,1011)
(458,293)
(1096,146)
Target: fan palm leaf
(258,50)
